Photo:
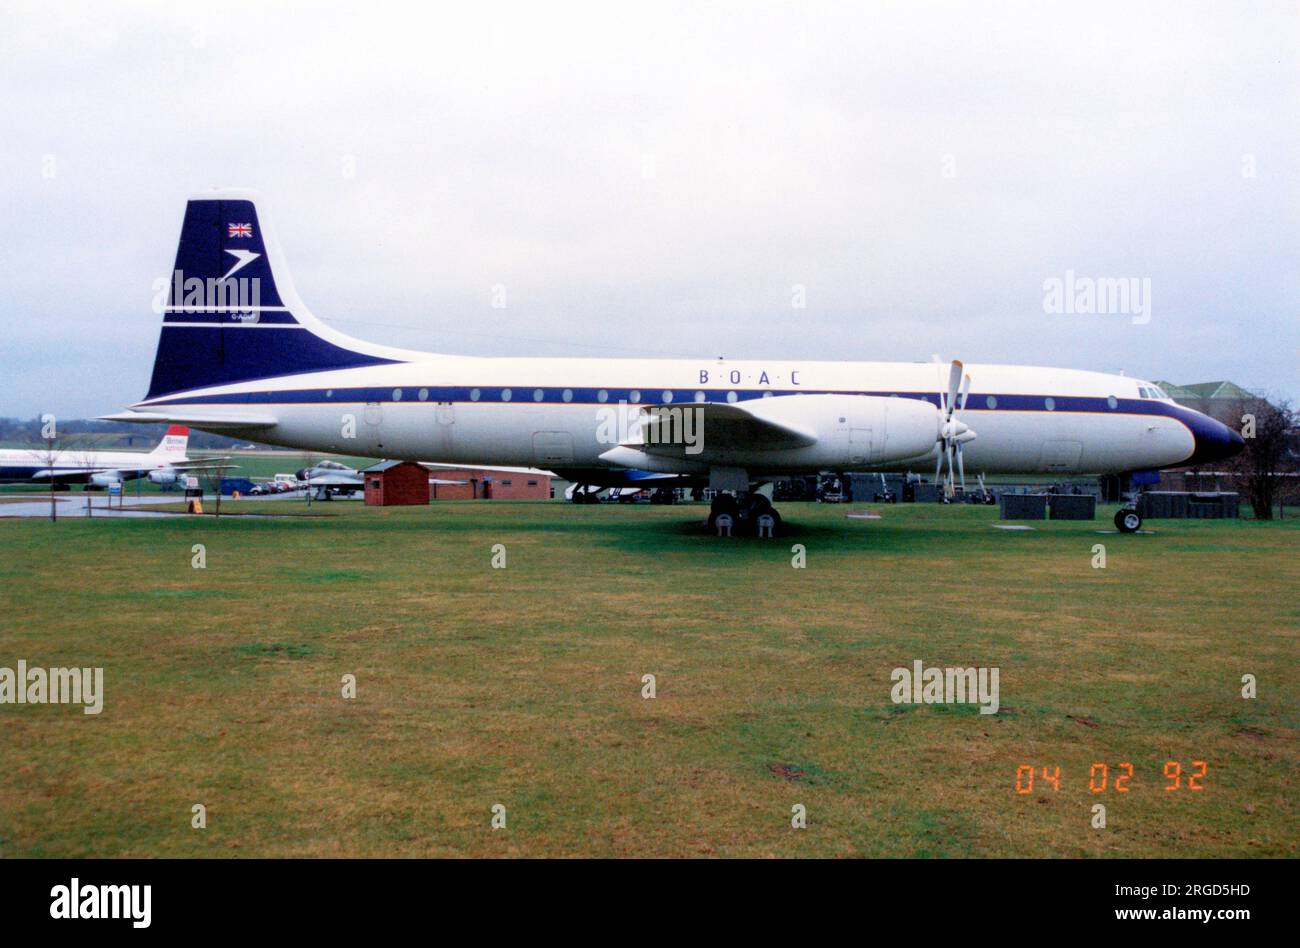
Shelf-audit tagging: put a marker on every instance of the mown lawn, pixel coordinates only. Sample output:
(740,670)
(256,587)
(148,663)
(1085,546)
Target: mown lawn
(522,686)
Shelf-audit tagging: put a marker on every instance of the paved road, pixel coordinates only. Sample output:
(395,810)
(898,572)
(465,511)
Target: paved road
(74,505)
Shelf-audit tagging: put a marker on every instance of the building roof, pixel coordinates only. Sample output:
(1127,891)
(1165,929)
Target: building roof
(383,466)
(1175,392)
(1225,390)
(492,469)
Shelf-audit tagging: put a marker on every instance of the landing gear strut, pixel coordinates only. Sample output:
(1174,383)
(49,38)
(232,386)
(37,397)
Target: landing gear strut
(745,512)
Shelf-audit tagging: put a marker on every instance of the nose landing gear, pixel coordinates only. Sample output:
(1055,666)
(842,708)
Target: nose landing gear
(1128,520)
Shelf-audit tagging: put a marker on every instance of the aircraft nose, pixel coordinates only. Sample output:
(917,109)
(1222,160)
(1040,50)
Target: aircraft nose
(1215,441)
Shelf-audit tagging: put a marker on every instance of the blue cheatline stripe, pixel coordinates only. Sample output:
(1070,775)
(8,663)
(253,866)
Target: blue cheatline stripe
(550,395)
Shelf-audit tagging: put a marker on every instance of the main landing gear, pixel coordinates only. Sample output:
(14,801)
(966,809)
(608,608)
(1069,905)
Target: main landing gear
(747,513)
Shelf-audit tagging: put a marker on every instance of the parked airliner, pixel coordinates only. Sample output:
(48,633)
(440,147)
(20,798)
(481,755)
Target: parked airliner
(239,353)
(57,464)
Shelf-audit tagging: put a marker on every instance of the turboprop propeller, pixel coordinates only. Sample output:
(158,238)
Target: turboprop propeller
(953,433)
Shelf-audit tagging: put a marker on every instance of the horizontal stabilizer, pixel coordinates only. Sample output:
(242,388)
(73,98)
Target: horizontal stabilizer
(231,421)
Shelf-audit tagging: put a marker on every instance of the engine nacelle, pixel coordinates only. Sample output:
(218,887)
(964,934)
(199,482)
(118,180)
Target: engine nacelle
(163,477)
(106,479)
(808,433)
(853,430)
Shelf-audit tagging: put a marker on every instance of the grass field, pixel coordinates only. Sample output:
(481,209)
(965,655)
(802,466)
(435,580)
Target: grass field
(522,686)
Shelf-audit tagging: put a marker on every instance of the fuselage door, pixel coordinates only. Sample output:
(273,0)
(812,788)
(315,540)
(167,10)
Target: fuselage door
(553,448)
(859,445)
(445,416)
(1061,455)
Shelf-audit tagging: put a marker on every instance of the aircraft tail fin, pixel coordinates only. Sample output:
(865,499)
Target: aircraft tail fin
(174,443)
(232,313)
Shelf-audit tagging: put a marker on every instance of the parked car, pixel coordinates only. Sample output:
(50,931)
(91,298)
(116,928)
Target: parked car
(287,482)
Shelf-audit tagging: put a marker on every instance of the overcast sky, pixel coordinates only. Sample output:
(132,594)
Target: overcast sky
(658,179)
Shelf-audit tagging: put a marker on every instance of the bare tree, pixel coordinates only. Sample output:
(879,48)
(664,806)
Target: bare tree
(80,458)
(212,476)
(1260,470)
(55,452)
(309,461)
(47,454)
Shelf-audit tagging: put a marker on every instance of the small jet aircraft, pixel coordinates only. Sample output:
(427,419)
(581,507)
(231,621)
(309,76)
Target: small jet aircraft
(165,464)
(240,353)
(331,477)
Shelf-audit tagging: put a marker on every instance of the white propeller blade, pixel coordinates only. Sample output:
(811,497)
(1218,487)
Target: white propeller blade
(953,433)
(954,380)
(948,450)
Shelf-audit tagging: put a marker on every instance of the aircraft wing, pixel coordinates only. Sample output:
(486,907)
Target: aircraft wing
(197,463)
(67,473)
(335,480)
(202,468)
(723,426)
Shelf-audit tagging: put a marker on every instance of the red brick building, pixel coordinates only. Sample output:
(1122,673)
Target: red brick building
(490,484)
(396,483)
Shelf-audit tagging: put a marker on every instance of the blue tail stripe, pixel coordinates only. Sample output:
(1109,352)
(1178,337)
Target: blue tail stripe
(191,357)
(233,316)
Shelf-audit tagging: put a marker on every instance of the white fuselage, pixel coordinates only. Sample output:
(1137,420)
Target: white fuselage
(42,465)
(554,413)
